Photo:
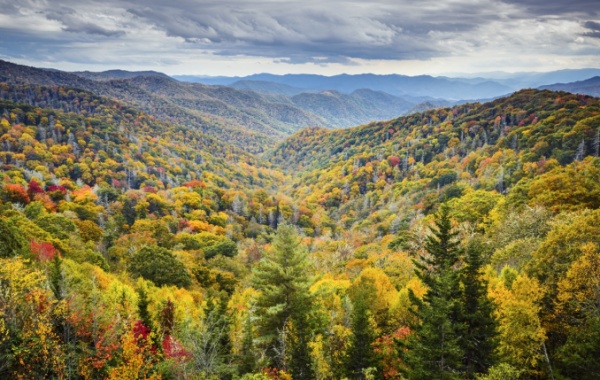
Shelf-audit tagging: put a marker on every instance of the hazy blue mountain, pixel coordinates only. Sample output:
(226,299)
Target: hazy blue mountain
(528,79)
(588,87)
(217,81)
(267,87)
(562,76)
(458,86)
(398,85)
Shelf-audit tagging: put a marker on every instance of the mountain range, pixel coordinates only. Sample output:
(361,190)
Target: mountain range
(251,119)
(461,87)
(587,87)
(398,85)
(254,113)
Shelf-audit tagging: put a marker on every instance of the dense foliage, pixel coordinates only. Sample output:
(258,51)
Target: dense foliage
(454,243)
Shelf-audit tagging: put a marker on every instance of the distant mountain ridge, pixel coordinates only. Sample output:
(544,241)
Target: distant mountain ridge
(587,87)
(457,87)
(264,87)
(256,112)
(398,85)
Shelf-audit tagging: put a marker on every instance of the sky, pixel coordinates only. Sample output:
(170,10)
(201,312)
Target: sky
(242,37)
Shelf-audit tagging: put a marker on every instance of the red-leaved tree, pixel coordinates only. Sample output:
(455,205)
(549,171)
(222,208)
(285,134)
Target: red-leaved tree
(43,251)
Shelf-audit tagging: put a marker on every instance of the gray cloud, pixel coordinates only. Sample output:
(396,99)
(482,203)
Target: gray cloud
(557,7)
(594,27)
(75,23)
(314,31)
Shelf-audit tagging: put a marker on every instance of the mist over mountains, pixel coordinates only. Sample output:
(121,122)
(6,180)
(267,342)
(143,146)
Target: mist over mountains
(461,87)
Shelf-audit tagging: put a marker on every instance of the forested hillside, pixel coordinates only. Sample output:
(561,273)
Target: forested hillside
(489,147)
(456,243)
(247,120)
(252,121)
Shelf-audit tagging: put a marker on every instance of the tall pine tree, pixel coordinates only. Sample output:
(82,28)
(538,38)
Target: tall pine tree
(247,356)
(435,349)
(361,354)
(283,306)
(480,326)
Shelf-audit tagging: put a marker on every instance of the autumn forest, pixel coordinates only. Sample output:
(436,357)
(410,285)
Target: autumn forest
(141,238)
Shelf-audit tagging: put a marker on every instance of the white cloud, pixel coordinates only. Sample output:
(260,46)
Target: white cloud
(241,37)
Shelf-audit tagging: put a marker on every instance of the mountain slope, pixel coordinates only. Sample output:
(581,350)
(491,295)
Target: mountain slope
(249,109)
(360,107)
(588,87)
(493,145)
(118,74)
(265,87)
(102,140)
(247,120)
(127,91)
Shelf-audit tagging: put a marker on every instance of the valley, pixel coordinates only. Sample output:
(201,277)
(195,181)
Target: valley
(154,228)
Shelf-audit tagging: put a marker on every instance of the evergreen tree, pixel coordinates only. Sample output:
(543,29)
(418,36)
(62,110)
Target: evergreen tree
(435,348)
(300,361)
(225,345)
(55,277)
(284,304)
(361,354)
(480,326)
(247,357)
(143,304)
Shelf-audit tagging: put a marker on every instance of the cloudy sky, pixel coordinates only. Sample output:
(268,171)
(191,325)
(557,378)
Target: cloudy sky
(241,37)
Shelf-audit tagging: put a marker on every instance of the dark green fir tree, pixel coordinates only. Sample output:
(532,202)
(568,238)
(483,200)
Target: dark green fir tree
(435,348)
(283,307)
(479,339)
(361,354)
(247,356)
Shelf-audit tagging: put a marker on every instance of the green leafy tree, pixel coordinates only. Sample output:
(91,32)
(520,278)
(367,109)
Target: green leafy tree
(502,371)
(57,225)
(226,248)
(284,304)
(12,242)
(158,265)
